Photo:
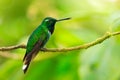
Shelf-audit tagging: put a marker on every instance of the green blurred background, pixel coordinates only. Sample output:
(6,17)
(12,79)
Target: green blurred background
(90,20)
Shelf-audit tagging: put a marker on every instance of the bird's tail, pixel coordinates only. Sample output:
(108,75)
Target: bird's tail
(25,67)
(27,59)
(26,62)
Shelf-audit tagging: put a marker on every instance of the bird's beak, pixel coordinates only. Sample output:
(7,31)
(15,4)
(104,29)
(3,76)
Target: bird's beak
(63,19)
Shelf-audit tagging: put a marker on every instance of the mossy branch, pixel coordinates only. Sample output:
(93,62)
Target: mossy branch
(84,46)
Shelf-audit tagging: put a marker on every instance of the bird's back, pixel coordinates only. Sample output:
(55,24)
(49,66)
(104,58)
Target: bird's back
(39,34)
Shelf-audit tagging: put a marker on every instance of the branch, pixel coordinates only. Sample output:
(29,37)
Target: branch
(84,46)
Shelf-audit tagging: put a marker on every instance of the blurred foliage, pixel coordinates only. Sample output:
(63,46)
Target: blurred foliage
(90,20)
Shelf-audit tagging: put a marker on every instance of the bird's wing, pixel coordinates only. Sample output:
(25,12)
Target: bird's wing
(30,54)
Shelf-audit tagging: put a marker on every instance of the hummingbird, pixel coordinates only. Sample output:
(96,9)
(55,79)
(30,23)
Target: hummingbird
(38,39)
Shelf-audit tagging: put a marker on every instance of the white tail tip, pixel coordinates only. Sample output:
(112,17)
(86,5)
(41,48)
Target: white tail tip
(24,67)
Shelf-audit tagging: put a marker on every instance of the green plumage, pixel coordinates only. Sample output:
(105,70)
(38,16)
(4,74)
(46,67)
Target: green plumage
(41,33)
(38,39)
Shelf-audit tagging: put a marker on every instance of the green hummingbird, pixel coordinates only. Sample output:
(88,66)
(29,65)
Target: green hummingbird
(38,39)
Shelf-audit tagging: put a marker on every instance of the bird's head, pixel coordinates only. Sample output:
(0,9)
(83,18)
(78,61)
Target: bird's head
(50,22)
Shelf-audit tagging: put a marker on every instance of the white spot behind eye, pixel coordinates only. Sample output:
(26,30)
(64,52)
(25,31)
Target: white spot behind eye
(46,20)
